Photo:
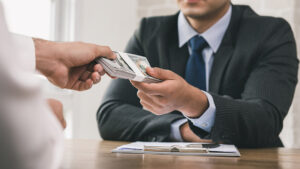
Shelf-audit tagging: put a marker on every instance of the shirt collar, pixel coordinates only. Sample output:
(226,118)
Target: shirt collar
(213,35)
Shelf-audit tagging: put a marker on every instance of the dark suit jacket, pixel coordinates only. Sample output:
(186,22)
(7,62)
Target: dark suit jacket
(252,82)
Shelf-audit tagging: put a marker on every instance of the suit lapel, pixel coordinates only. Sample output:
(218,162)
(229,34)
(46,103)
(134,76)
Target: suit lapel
(173,57)
(223,55)
(221,60)
(177,57)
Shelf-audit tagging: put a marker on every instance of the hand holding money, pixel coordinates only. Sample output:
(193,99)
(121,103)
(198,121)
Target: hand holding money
(174,93)
(68,64)
(128,66)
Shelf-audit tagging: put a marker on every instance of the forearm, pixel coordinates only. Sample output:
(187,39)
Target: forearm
(126,122)
(45,56)
(246,123)
(195,102)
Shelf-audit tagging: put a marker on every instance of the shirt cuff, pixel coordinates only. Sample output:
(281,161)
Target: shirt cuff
(175,130)
(25,46)
(207,119)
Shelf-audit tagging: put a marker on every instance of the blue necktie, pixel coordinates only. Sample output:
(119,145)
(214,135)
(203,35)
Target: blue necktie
(195,68)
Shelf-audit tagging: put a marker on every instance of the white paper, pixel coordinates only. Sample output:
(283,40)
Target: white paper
(138,147)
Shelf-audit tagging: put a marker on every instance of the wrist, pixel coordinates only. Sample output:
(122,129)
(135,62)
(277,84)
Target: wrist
(196,103)
(45,62)
(187,134)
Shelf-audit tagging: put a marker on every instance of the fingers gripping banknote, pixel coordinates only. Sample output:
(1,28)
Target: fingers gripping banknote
(128,66)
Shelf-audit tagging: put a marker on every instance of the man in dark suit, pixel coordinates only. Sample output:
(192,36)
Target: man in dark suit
(231,78)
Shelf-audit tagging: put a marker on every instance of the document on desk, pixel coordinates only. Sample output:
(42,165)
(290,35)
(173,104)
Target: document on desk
(179,148)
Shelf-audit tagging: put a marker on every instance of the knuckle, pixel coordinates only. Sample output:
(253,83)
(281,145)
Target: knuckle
(171,92)
(155,109)
(163,101)
(159,111)
(160,106)
(168,71)
(102,73)
(149,91)
(105,49)
(98,80)
(95,50)
(154,112)
(138,94)
(168,91)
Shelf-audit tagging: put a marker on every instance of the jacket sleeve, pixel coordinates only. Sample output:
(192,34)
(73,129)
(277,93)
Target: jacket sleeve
(121,117)
(256,119)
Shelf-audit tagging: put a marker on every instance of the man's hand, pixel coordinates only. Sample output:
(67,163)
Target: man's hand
(174,93)
(69,64)
(189,136)
(57,109)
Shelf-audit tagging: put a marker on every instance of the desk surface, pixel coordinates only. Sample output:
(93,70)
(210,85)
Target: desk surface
(93,154)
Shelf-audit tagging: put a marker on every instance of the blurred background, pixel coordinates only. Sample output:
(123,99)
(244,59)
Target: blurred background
(112,22)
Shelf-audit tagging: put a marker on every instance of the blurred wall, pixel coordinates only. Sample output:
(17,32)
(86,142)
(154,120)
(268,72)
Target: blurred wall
(102,22)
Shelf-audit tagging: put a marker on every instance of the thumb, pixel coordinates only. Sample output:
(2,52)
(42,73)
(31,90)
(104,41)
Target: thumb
(161,74)
(105,51)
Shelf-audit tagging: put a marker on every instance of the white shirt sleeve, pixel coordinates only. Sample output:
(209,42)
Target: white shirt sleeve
(31,137)
(205,122)
(175,130)
(207,119)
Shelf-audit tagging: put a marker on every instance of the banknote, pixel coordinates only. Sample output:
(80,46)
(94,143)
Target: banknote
(128,66)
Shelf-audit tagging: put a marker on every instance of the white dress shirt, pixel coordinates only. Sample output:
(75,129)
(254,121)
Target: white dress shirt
(31,136)
(213,37)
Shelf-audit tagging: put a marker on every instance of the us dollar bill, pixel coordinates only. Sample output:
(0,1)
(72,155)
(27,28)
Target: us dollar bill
(128,66)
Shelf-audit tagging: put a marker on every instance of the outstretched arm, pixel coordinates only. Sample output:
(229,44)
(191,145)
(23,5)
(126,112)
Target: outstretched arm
(70,64)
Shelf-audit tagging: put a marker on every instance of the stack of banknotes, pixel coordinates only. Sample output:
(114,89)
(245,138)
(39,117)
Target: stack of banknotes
(128,66)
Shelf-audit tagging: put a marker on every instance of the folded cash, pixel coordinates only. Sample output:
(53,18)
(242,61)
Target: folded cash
(128,66)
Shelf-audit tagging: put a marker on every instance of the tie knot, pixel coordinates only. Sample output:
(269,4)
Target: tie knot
(198,43)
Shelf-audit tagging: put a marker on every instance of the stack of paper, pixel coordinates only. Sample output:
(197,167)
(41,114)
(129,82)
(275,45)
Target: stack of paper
(179,148)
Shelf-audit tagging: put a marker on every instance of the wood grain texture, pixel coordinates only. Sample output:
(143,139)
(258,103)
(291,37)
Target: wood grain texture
(94,154)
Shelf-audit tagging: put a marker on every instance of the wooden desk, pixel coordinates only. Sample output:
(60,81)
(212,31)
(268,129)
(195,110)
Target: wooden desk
(93,154)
